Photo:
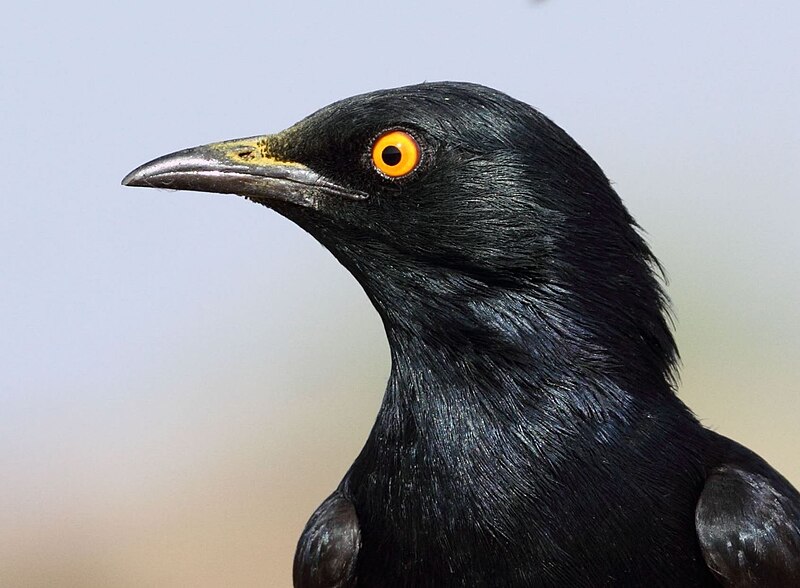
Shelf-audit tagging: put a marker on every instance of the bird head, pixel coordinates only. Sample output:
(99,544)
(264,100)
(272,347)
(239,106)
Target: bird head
(441,195)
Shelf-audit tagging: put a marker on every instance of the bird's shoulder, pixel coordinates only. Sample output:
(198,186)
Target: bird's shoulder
(328,548)
(748,523)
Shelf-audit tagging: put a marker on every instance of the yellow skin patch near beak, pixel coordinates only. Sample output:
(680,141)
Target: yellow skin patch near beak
(253,151)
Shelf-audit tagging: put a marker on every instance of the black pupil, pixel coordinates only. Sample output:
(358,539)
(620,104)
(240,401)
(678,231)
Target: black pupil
(391,155)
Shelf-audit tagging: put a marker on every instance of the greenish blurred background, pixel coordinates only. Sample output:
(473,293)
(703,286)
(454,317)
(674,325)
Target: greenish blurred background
(184,377)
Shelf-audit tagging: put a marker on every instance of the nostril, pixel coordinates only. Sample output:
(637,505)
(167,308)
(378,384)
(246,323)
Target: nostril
(245,154)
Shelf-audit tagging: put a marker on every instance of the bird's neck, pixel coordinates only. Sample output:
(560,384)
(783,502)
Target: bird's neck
(534,338)
(471,356)
(499,404)
(501,401)
(474,373)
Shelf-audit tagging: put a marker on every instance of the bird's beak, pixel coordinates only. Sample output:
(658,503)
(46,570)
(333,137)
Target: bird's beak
(243,166)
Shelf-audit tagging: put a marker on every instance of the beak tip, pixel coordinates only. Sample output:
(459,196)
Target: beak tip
(134,178)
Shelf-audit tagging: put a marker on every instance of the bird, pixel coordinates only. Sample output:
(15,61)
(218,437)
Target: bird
(530,433)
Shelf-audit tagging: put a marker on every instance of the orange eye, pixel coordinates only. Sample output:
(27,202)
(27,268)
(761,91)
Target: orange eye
(396,154)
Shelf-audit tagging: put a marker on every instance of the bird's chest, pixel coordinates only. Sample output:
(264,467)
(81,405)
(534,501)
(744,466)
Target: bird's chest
(459,515)
(453,515)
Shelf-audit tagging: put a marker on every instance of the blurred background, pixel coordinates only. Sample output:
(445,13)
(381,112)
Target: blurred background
(185,377)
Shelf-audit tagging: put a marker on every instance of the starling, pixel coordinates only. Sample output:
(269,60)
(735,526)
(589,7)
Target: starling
(530,434)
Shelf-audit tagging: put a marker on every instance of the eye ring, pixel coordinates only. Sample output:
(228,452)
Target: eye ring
(396,154)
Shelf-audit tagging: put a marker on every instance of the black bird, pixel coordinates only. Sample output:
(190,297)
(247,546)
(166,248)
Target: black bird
(530,434)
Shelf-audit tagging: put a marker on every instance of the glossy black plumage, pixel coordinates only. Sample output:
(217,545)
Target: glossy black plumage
(529,433)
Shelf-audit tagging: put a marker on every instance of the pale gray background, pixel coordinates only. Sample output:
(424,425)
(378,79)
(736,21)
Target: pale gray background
(184,377)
